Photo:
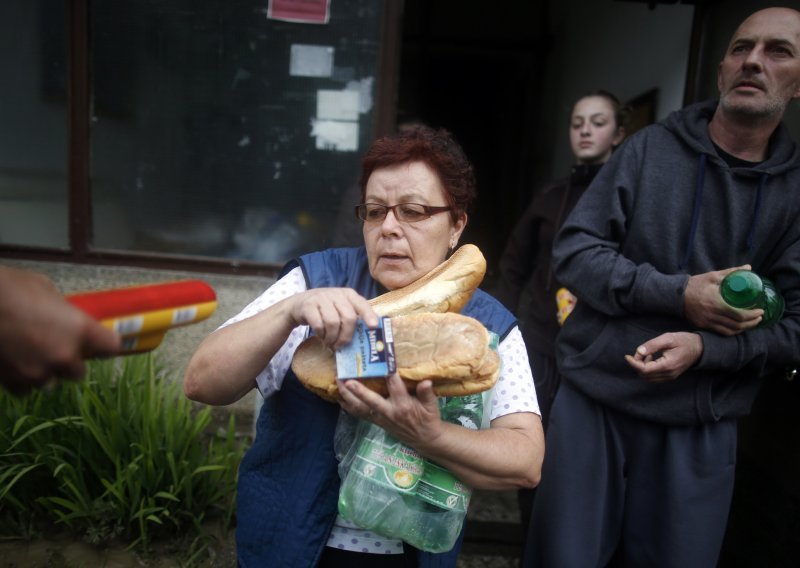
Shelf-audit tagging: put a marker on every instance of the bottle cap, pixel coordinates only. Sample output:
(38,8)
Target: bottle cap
(742,289)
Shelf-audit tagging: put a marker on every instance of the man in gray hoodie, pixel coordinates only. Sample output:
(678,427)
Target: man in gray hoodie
(656,369)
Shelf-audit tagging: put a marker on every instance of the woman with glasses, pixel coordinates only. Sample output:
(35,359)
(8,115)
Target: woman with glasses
(416,188)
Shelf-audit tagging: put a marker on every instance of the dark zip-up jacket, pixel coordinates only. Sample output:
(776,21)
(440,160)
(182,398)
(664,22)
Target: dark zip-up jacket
(526,285)
(664,207)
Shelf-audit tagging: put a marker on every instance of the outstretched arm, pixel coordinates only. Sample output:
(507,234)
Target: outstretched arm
(43,336)
(225,366)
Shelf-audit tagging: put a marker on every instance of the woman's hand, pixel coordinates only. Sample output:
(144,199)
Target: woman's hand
(225,365)
(332,313)
(408,418)
(508,455)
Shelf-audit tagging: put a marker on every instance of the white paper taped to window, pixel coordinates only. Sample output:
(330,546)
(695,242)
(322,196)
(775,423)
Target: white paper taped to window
(338,105)
(335,135)
(311,60)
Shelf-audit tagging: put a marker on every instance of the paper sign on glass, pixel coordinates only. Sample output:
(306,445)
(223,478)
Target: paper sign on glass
(300,11)
(338,105)
(310,60)
(335,135)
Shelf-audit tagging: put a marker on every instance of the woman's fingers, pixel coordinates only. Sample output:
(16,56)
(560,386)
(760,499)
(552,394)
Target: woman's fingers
(333,313)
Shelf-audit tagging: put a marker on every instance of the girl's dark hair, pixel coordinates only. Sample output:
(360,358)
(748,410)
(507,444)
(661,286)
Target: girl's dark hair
(620,110)
(438,150)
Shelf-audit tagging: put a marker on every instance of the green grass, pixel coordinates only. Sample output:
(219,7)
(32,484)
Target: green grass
(121,454)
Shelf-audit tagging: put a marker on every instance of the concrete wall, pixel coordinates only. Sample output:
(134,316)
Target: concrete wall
(623,47)
(233,293)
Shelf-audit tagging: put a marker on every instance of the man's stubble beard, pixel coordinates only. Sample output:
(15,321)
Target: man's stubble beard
(755,111)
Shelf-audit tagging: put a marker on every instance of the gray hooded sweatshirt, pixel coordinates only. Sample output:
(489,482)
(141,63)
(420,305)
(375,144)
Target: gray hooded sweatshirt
(665,207)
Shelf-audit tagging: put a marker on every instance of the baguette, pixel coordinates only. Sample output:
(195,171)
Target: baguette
(446,288)
(451,350)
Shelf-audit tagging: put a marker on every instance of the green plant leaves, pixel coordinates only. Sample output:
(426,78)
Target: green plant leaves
(121,452)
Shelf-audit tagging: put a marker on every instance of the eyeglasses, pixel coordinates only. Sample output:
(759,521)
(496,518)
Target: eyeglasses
(405,212)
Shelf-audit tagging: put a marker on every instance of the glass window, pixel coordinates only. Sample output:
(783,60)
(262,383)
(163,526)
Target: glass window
(219,132)
(33,137)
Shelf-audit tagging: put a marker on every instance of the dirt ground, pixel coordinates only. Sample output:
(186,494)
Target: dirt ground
(65,551)
(62,551)
(75,554)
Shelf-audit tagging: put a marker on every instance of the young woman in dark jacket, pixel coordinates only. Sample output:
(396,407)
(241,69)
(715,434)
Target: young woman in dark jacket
(527,285)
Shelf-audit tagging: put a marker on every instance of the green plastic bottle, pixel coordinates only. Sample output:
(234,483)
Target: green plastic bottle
(382,479)
(435,516)
(746,289)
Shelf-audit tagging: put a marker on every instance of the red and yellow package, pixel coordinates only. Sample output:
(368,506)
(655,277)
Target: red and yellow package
(565,301)
(143,314)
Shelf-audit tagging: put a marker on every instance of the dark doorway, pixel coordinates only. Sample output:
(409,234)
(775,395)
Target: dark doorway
(474,73)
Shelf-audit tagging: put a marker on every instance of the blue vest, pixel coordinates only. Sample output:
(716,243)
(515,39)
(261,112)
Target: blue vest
(288,481)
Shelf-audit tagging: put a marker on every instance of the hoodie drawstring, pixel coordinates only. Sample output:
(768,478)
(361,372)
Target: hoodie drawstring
(698,200)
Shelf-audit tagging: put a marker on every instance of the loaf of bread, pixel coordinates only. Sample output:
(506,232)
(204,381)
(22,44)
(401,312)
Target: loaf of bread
(446,288)
(451,350)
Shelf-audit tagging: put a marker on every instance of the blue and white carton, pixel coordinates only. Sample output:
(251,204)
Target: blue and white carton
(370,354)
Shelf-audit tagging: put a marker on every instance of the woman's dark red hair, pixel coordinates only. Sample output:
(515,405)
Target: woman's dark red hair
(438,150)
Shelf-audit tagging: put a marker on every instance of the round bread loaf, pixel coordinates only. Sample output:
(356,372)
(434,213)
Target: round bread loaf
(451,350)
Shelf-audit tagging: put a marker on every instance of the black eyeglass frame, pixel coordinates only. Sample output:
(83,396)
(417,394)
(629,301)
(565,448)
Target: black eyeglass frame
(430,210)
